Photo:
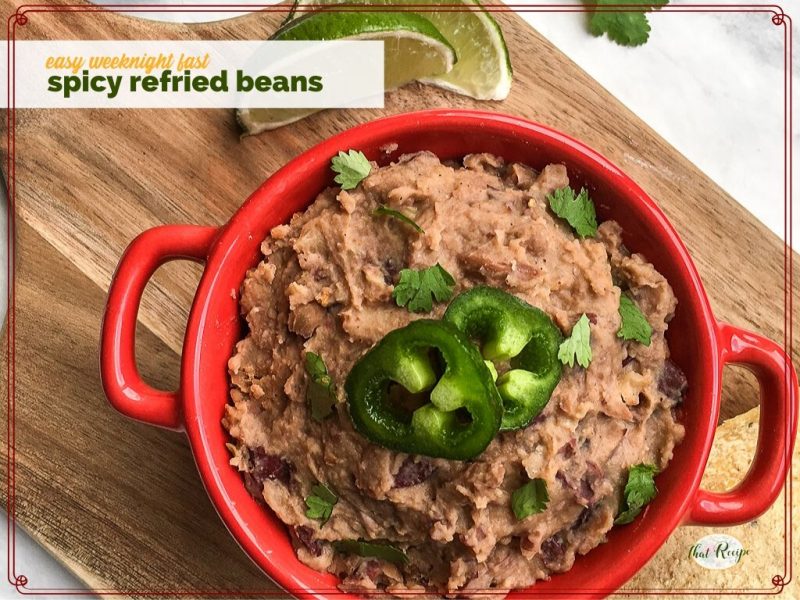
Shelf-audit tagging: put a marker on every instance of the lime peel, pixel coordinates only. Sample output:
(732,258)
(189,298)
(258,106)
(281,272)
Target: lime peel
(404,35)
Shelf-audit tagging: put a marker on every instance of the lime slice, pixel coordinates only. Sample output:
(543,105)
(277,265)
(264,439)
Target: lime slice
(413,49)
(484,68)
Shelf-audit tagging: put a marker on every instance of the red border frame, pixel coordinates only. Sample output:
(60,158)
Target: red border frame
(779,17)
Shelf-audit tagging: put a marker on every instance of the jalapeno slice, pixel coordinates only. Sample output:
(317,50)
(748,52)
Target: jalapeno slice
(424,389)
(509,329)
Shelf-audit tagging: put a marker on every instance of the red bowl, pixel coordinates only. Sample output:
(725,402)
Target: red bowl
(700,344)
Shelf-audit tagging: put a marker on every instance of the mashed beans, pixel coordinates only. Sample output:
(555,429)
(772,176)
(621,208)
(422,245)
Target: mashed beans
(325,286)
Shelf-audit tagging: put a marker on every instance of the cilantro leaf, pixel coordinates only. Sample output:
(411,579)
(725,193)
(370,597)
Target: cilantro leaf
(628,28)
(320,393)
(320,503)
(639,491)
(578,210)
(416,290)
(578,345)
(530,499)
(385,552)
(634,324)
(315,366)
(396,214)
(351,167)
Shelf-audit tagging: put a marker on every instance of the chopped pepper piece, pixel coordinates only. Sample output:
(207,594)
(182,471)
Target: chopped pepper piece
(385,552)
(508,328)
(424,389)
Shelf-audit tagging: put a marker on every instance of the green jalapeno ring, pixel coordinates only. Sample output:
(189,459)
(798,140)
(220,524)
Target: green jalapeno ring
(463,410)
(507,328)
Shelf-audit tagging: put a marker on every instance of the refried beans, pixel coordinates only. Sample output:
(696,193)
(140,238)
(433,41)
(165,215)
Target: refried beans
(325,286)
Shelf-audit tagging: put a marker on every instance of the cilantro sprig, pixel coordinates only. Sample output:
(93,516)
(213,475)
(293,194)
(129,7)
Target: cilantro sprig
(578,210)
(634,325)
(320,393)
(384,210)
(530,499)
(639,491)
(320,503)
(417,290)
(627,28)
(577,347)
(352,167)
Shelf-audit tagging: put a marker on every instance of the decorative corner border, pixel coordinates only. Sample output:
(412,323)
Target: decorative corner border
(20,18)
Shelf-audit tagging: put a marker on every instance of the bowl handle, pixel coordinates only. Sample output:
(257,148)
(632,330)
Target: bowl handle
(122,383)
(776,431)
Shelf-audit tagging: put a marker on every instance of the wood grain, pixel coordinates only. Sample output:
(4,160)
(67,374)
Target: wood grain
(117,501)
(120,502)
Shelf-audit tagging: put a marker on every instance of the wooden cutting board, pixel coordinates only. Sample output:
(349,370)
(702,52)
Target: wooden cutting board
(119,502)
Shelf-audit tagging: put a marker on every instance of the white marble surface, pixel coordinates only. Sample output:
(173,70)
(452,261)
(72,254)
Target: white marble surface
(711,84)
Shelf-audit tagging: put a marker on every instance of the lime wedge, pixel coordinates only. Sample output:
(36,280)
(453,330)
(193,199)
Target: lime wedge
(483,70)
(413,49)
